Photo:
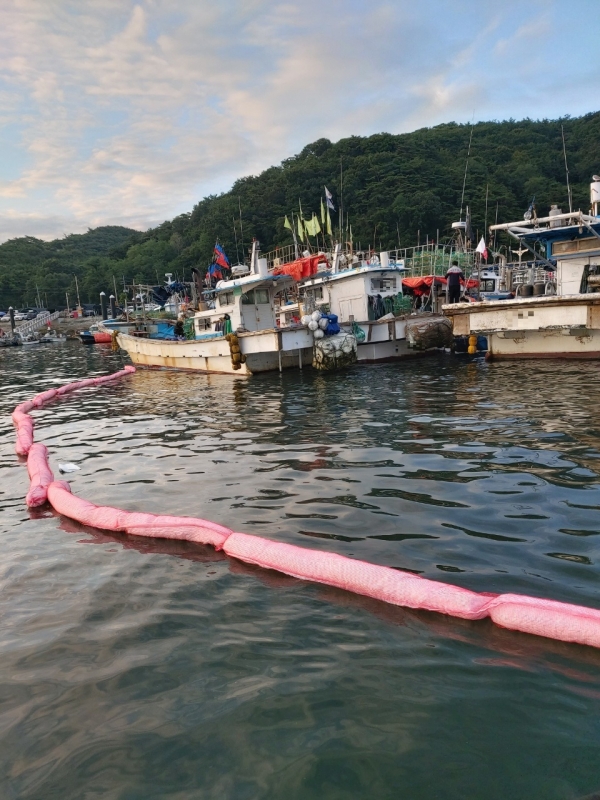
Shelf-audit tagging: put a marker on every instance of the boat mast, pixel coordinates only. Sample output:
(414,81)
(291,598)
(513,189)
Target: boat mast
(562,128)
(462,199)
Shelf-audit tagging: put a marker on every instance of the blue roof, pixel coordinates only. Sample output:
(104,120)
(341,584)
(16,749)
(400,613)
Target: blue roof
(561,234)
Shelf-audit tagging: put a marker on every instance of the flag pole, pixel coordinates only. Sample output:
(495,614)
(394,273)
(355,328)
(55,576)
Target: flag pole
(295,238)
(341,201)
(487,192)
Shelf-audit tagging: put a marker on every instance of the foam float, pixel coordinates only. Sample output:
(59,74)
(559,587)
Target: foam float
(555,620)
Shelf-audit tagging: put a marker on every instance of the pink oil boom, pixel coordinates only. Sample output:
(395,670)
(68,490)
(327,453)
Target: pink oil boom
(563,621)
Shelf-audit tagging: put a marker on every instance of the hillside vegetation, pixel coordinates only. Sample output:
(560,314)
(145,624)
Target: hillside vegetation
(395,188)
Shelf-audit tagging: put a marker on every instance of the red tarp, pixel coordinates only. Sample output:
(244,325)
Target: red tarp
(422,285)
(302,267)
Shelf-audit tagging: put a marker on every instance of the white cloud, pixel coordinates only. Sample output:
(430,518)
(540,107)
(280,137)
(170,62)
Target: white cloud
(130,112)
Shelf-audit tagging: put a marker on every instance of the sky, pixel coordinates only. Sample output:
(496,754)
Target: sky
(125,112)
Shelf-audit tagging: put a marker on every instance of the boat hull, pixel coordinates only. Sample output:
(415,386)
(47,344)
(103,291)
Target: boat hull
(95,338)
(570,343)
(399,350)
(386,339)
(546,327)
(265,351)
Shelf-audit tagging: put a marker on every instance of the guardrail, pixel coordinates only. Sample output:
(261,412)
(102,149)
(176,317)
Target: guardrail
(33,324)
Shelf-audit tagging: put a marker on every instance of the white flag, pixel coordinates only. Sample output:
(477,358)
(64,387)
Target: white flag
(481,248)
(329,198)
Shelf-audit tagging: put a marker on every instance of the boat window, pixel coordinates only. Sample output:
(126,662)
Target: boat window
(226,299)
(256,297)
(316,292)
(383,284)
(488,286)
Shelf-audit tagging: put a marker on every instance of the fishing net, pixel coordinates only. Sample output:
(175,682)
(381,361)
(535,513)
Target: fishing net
(424,333)
(334,352)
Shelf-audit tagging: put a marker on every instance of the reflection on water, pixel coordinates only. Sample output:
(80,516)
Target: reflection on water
(141,669)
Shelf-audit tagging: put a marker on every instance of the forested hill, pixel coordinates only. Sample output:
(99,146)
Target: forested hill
(28,264)
(394,186)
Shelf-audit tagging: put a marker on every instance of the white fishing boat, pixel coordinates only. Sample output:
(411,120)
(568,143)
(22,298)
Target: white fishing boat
(52,337)
(247,305)
(29,340)
(364,291)
(553,308)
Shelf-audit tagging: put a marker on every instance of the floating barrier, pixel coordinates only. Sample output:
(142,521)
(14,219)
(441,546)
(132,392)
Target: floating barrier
(555,620)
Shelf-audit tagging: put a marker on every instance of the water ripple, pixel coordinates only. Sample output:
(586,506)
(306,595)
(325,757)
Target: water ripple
(136,668)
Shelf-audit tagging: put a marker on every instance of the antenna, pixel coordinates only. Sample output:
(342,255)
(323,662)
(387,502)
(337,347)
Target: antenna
(562,128)
(241,227)
(495,232)
(236,242)
(462,199)
(341,199)
(487,192)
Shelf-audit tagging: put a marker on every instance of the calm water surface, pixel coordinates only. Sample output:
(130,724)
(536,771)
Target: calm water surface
(135,669)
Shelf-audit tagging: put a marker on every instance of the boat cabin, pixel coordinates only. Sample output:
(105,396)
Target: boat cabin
(356,294)
(251,302)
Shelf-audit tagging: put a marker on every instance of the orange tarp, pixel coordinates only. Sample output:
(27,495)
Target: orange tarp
(302,267)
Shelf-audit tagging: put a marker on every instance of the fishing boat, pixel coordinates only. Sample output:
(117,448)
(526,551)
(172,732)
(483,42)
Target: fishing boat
(365,292)
(236,330)
(96,335)
(28,340)
(553,304)
(52,337)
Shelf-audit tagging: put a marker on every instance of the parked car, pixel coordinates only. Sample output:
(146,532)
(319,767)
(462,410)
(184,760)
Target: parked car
(33,313)
(26,313)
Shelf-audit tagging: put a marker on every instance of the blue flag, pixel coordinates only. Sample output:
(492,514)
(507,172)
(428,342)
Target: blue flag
(221,259)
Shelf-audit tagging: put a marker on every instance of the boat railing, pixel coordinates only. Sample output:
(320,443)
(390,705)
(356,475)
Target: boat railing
(534,223)
(280,256)
(433,259)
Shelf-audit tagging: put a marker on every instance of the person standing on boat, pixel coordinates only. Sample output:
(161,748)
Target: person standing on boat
(178,330)
(454,277)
